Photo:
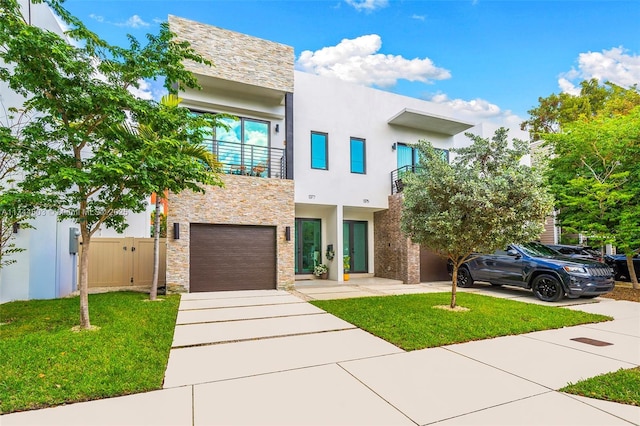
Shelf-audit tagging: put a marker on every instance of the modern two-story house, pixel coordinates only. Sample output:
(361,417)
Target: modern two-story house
(313,172)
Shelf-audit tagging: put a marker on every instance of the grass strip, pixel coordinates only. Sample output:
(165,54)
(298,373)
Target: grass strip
(621,386)
(410,322)
(44,363)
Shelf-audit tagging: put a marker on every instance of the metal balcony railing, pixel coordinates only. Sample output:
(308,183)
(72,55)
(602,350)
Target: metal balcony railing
(249,160)
(396,177)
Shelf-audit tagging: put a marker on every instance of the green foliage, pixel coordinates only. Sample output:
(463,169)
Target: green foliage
(44,363)
(163,224)
(485,200)
(595,176)
(346,262)
(72,152)
(81,93)
(556,111)
(621,386)
(410,321)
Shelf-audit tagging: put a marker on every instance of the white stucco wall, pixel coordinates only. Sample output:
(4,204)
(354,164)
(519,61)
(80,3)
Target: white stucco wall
(344,110)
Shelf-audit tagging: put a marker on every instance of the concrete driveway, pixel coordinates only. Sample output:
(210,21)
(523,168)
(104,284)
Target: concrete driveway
(270,358)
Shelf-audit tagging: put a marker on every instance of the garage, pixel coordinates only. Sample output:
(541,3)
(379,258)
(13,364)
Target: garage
(232,257)
(432,267)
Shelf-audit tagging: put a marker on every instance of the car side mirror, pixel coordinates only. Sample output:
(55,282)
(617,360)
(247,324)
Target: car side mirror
(513,252)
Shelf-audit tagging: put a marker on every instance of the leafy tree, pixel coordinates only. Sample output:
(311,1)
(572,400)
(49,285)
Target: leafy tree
(481,202)
(555,111)
(595,176)
(14,208)
(175,158)
(82,92)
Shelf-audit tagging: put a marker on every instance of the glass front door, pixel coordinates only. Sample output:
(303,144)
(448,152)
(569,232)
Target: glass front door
(355,245)
(308,245)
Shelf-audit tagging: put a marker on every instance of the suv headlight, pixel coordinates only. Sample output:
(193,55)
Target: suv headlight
(575,270)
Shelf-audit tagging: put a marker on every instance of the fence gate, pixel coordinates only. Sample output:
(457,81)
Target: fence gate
(121,262)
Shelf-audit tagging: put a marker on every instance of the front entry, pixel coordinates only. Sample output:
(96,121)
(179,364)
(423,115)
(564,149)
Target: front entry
(354,234)
(308,245)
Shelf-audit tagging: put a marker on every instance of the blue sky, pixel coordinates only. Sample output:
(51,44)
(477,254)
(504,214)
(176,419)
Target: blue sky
(489,59)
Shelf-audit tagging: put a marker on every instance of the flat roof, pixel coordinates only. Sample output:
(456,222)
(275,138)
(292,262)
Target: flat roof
(426,121)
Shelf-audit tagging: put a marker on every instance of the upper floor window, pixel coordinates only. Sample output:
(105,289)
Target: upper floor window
(319,151)
(409,156)
(358,157)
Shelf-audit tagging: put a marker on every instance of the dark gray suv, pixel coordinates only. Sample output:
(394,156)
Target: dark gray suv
(550,275)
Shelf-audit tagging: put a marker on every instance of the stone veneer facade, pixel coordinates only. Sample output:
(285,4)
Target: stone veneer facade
(236,57)
(244,200)
(396,257)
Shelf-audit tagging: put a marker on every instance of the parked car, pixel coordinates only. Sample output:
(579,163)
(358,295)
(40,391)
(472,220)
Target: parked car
(618,262)
(582,252)
(550,275)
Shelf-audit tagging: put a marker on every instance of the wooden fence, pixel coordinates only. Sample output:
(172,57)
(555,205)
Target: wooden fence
(122,262)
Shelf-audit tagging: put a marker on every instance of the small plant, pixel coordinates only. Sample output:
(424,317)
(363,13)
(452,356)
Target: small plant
(320,269)
(346,262)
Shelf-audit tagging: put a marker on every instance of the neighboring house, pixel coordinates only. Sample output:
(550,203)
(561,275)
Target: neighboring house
(344,146)
(47,268)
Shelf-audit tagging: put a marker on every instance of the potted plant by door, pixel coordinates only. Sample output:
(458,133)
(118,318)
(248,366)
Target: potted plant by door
(321,270)
(346,264)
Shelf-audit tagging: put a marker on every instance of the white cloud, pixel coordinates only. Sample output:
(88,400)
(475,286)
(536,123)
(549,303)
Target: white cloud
(143,91)
(615,65)
(419,17)
(367,5)
(134,22)
(357,61)
(477,110)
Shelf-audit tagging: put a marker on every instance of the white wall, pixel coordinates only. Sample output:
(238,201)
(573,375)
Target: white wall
(344,110)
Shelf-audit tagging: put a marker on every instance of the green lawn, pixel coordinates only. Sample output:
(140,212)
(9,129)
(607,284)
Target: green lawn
(44,363)
(619,386)
(410,321)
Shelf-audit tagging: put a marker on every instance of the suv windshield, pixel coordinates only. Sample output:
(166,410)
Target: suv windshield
(538,250)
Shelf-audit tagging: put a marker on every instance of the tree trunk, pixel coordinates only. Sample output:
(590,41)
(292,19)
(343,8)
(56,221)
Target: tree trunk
(153,295)
(83,285)
(632,272)
(454,285)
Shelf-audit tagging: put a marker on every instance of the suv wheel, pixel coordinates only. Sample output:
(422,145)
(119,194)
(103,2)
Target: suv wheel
(547,288)
(464,278)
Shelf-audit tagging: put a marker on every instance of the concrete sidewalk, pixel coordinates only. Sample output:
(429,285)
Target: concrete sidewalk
(270,358)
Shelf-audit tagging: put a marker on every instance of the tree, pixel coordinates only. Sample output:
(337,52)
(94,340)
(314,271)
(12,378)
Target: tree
(175,158)
(595,176)
(555,111)
(11,211)
(481,202)
(82,92)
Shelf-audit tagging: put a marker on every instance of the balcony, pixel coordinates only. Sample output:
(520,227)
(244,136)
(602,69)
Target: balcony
(249,160)
(396,177)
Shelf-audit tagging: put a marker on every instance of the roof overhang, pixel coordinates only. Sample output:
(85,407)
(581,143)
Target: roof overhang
(430,122)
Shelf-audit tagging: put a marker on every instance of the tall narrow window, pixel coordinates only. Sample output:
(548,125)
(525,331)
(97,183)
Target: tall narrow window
(319,148)
(358,163)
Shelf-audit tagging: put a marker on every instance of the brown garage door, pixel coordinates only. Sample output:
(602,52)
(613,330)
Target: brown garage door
(432,267)
(232,257)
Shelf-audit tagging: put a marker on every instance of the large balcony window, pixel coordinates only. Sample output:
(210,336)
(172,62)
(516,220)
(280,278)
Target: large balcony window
(244,148)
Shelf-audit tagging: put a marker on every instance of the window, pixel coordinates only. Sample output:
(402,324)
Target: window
(241,145)
(358,163)
(319,147)
(244,143)
(409,157)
